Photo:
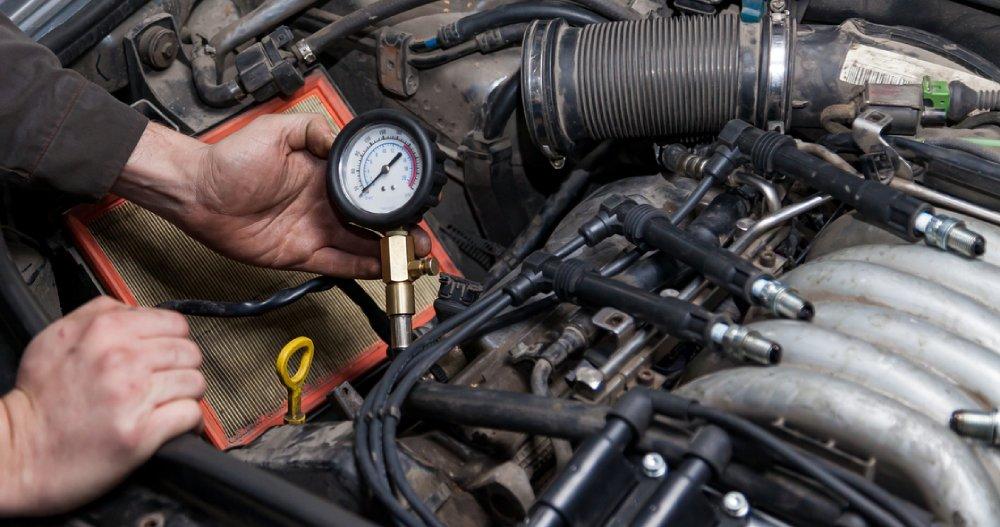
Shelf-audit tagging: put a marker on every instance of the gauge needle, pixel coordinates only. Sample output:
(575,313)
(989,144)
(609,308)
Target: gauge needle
(384,171)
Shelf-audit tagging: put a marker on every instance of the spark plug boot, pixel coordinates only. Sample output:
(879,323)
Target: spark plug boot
(645,225)
(950,234)
(983,425)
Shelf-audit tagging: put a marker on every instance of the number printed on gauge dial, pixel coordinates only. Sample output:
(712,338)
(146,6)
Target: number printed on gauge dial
(381,168)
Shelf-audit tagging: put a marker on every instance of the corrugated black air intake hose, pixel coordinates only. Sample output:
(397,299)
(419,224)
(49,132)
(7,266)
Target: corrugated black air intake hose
(657,77)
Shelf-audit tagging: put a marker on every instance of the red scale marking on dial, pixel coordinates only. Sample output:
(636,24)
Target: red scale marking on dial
(413,165)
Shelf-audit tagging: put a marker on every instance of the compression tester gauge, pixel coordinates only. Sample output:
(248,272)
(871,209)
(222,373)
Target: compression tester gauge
(381,176)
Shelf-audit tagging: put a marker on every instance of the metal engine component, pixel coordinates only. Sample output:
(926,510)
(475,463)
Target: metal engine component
(941,464)
(904,346)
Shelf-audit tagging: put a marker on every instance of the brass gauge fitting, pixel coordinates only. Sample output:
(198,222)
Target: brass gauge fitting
(400,267)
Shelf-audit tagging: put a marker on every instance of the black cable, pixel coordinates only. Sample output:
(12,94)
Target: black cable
(468,27)
(368,447)
(358,20)
(501,105)
(86,27)
(433,59)
(547,219)
(488,42)
(384,430)
(395,469)
(979,119)
(692,201)
(679,407)
(284,297)
(956,158)
(955,143)
(909,514)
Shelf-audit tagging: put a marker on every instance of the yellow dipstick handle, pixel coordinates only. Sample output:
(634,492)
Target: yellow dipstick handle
(294,382)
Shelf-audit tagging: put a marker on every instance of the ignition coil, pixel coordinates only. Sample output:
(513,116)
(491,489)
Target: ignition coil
(886,207)
(573,280)
(647,225)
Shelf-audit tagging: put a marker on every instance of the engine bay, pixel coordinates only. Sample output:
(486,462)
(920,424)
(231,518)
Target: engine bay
(693,262)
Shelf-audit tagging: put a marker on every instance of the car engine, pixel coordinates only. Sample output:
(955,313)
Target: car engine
(696,262)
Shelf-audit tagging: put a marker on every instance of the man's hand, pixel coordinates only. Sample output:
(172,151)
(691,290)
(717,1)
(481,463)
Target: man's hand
(96,394)
(258,196)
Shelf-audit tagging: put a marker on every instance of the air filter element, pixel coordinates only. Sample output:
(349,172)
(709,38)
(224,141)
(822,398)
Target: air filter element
(142,260)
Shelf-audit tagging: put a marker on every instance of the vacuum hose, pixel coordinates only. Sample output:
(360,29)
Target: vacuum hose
(656,77)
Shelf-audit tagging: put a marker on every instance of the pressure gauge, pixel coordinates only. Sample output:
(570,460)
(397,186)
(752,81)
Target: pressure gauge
(381,171)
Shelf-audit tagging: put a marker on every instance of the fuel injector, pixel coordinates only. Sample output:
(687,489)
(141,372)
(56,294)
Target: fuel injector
(645,225)
(572,280)
(890,209)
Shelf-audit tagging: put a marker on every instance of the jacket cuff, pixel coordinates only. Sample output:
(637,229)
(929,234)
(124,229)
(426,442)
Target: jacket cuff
(91,145)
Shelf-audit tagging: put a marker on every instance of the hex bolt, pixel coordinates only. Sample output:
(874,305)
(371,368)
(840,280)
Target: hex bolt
(782,300)
(653,465)
(744,344)
(983,425)
(735,504)
(950,234)
(767,258)
(158,46)
(778,6)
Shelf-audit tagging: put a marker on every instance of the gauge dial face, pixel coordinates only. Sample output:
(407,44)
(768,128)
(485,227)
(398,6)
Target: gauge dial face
(381,168)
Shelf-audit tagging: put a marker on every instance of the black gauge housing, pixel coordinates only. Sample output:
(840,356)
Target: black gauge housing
(424,196)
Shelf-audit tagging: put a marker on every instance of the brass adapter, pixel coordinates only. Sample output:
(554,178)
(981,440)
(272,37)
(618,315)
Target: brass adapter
(400,268)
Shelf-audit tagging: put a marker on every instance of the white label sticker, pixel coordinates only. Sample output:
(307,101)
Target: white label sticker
(865,64)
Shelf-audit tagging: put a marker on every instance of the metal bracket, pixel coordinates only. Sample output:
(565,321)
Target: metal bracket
(779,63)
(867,130)
(697,7)
(619,324)
(621,327)
(348,400)
(395,73)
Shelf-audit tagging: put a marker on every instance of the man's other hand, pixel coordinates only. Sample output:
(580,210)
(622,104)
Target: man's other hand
(97,393)
(258,196)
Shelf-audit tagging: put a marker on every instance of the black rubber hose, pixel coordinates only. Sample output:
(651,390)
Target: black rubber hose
(251,308)
(209,90)
(955,143)
(499,109)
(467,27)
(552,212)
(955,20)
(954,158)
(20,305)
(682,212)
(200,469)
(262,19)
(981,119)
(382,9)
(487,42)
(360,19)
(679,407)
(88,26)
(433,59)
